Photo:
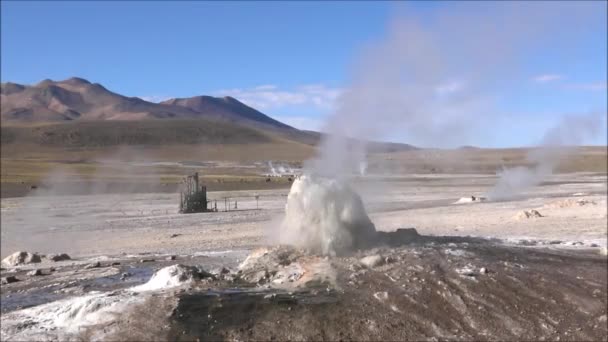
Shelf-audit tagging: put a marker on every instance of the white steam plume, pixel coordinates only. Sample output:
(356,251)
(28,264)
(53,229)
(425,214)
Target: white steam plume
(429,81)
(557,144)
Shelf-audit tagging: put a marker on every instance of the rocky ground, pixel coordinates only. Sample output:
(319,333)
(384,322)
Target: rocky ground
(477,270)
(418,287)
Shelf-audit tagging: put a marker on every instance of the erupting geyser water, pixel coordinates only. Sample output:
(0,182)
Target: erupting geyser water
(325,216)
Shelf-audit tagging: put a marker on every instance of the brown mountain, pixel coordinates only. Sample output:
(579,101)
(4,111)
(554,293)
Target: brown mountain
(227,108)
(78,113)
(79,99)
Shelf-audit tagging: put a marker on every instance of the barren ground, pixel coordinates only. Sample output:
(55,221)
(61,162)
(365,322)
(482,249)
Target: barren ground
(138,223)
(542,278)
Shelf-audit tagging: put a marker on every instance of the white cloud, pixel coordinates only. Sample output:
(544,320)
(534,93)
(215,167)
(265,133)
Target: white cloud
(547,78)
(266,87)
(267,97)
(449,87)
(155,98)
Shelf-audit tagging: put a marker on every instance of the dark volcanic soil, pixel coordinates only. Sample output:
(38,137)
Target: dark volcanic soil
(437,288)
(434,290)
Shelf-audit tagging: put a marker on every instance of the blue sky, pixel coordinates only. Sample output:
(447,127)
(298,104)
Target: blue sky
(292,60)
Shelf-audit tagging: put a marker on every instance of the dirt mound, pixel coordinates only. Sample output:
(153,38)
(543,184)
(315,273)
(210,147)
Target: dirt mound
(58,257)
(171,276)
(21,258)
(429,290)
(528,214)
(286,266)
(425,293)
(568,203)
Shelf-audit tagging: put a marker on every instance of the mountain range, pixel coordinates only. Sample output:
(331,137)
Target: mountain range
(77,113)
(79,99)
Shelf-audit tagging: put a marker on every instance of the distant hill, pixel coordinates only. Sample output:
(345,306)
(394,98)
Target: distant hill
(78,99)
(95,134)
(227,108)
(78,113)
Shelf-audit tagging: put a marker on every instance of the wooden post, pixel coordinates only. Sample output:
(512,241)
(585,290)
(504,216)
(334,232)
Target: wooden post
(196,181)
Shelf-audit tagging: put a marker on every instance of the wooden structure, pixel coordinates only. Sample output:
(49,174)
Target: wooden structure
(193,196)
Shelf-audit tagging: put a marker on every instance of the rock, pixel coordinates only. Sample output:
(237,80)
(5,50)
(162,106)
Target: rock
(35,272)
(115,264)
(381,296)
(372,261)
(21,258)
(483,270)
(171,257)
(526,214)
(125,275)
(571,202)
(398,237)
(93,265)
(146,260)
(58,257)
(8,280)
(285,266)
(354,267)
(470,199)
(169,277)
(174,236)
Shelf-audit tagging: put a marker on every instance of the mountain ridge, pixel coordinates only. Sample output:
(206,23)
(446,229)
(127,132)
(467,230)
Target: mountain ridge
(79,99)
(77,112)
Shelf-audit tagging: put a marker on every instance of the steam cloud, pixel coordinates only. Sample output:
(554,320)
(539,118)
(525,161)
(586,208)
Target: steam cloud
(429,82)
(42,211)
(556,145)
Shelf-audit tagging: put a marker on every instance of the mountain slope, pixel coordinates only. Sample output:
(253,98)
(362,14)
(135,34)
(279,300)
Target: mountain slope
(95,134)
(227,107)
(79,99)
(96,116)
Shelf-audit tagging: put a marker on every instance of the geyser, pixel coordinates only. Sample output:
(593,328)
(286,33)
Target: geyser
(325,216)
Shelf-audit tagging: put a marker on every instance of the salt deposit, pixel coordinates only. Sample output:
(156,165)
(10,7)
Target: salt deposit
(20,258)
(169,277)
(64,318)
(470,199)
(325,216)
